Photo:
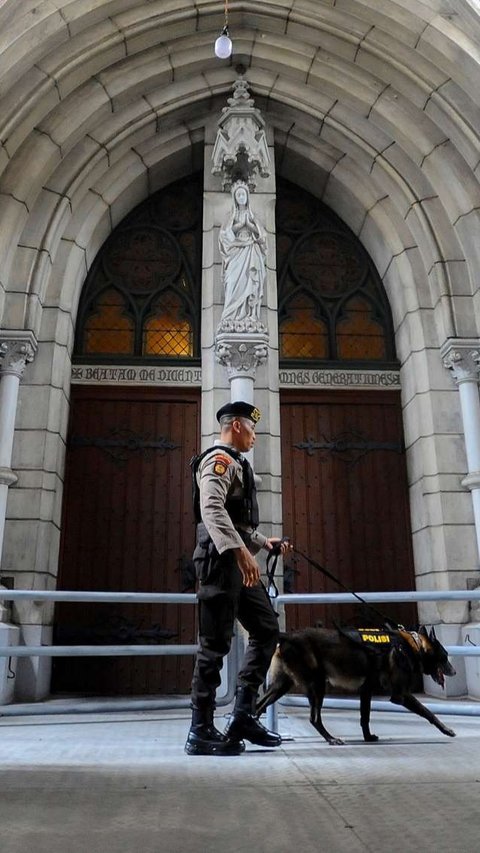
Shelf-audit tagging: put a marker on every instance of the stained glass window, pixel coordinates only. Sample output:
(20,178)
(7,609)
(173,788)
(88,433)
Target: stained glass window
(141,298)
(331,302)
(109,329)
(166,332)
(302,335)
(359,335)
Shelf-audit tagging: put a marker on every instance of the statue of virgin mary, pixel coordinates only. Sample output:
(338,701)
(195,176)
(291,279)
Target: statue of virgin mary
(243,248)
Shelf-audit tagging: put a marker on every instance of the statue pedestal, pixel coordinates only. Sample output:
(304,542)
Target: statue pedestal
(241,353)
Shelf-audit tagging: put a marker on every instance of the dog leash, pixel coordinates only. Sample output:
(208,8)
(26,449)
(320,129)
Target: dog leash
(388,622)
(271,566)
(273,556)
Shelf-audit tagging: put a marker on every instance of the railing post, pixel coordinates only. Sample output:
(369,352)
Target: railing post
(272,710)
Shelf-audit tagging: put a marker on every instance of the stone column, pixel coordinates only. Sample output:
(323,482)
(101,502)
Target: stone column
(16,349)
(240,355)
(239,312)
(241,159)
(239,321)
(462,358)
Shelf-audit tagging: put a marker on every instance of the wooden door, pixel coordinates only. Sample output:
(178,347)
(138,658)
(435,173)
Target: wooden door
(127,526)
(345,500)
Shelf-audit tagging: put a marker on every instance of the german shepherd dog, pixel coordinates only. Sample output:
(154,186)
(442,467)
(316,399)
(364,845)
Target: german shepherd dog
(357,660)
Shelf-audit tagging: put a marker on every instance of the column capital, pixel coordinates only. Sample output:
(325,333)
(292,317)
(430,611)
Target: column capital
(462,357)
(17,348)
(241,354)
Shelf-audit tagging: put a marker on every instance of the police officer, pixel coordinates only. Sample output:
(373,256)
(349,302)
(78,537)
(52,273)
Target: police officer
(229,586)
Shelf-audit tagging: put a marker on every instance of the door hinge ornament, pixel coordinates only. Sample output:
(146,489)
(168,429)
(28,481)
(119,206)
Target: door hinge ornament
(349,446)
(122,443)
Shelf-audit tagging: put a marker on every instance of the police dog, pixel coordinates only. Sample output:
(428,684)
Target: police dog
(357,660)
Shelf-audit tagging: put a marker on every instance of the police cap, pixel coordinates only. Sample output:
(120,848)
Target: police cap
(240,410)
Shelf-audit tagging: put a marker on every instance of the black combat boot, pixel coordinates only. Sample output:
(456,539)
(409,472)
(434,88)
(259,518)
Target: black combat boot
(204,739)
(244,724)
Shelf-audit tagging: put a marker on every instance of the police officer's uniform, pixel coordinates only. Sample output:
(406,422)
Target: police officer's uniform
(225,500)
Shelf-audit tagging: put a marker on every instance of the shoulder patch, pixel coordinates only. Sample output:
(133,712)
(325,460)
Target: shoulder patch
(221,463)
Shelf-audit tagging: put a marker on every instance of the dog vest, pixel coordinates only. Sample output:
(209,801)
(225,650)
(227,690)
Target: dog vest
(374,637)
(242,510)
(406,645)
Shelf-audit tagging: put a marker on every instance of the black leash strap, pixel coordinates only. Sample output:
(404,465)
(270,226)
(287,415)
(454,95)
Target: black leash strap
(271,566)
(274,554)
(329,575)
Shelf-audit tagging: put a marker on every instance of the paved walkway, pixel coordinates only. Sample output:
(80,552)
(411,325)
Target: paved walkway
(121,783)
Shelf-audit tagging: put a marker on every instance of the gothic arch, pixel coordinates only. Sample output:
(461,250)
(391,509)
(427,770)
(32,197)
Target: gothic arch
(395,129)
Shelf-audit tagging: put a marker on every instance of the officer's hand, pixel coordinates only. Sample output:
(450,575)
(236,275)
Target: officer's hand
(248,567)
(285,544)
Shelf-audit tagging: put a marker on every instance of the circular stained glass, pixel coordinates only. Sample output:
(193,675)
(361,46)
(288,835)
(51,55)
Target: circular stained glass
(328,263)
(142,258)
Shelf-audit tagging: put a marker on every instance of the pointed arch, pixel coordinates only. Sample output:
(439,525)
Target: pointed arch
(332,303)
(141,298)
(109,325)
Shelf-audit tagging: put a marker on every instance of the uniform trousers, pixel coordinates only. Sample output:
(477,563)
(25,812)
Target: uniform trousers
(222,598)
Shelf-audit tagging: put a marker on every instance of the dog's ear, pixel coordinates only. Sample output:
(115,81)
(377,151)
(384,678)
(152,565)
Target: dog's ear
(423,631)
(432,634)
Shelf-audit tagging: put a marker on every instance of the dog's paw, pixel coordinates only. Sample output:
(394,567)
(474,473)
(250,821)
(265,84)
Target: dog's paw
(371,739)
(449,732)
(336,741)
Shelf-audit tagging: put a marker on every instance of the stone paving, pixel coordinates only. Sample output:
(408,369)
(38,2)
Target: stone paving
(120,782)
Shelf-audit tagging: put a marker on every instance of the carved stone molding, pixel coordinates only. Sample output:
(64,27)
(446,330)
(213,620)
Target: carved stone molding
(472,481)
(241,149)
(16,350)
(462,357)
(247,325)
(7,477)
(241,355)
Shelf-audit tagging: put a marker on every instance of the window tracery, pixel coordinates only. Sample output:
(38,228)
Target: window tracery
(141,298)
(331,302)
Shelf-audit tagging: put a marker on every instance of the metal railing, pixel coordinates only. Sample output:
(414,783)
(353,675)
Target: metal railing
(92,706)
(52,707)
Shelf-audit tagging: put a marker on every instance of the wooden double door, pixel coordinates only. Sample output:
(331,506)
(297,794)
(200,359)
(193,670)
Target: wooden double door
(127,526)
(128,523)
(345,501)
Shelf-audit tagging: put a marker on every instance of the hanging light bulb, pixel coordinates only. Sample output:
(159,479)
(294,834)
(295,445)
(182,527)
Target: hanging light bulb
(223,45)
